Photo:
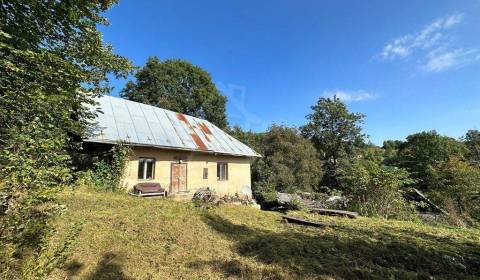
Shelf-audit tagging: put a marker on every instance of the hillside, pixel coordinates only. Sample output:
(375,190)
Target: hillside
(125,237)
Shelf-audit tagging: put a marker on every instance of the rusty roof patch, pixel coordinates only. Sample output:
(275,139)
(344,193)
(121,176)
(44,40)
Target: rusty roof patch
(182,118)
(205,128)
(199,142)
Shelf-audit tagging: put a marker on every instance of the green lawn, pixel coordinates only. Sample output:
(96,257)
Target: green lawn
(125,237)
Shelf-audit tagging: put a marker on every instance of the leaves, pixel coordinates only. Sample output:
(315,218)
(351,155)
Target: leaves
(179,86)
(335,132)
(52,62)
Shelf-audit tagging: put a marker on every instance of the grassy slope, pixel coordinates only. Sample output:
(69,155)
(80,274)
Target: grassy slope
(125,237)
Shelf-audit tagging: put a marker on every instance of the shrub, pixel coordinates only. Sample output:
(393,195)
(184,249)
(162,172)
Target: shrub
(290,162)
(108,169)
(375,190)
(454,184)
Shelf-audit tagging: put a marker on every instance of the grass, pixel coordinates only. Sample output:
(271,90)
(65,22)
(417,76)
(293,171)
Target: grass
(125,237)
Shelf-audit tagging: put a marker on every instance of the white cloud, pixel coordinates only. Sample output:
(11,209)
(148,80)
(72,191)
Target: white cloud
(438,60)
(433,47)
(429,37)
(350,96)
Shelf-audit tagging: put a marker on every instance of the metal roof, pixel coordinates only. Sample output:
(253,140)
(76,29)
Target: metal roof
(121,120)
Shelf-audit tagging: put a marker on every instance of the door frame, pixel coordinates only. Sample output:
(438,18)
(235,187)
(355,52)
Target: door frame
(171,177)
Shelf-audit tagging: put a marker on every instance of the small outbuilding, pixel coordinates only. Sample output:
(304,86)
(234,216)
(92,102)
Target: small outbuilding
(181,152)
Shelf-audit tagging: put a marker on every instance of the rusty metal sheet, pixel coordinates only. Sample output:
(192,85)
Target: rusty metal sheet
(139,124)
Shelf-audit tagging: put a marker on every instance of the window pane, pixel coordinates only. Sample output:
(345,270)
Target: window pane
(222,171)
(205,173)
(226,171)
(141,168)
(150,164)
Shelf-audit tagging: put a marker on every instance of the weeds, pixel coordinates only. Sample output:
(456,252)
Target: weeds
(163,239)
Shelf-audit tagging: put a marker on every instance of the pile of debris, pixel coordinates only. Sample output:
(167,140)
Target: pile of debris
(206,198)
(305,200)
(327,205)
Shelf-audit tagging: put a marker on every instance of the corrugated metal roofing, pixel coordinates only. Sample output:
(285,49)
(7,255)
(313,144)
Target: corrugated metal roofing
(145,125)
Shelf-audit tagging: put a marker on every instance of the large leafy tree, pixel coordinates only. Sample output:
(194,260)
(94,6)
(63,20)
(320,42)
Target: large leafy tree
(424,149)
(290,162)
(472,141)
(336,133)
(179,86)
(53,61)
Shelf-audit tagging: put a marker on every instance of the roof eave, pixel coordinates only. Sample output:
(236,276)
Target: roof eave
(170,148)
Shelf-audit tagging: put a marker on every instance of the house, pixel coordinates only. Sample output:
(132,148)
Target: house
(181,152)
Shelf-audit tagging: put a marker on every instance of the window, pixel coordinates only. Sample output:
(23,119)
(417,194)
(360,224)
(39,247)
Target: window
(146,168)
(222,171)
(205,173)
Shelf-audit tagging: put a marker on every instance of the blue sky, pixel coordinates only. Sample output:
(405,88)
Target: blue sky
(407,65)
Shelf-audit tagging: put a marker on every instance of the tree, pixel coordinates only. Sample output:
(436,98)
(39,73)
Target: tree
(51,55)
(335,132)
(472,141)
(289,162)
(424,149)
(179,86)
(390,148)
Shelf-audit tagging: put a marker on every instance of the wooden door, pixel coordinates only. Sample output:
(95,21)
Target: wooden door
(179,177)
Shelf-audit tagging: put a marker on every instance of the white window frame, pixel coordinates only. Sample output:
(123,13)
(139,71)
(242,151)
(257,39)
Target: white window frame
(146,160)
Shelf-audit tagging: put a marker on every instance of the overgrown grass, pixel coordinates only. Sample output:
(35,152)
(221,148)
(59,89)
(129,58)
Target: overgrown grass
(125,237)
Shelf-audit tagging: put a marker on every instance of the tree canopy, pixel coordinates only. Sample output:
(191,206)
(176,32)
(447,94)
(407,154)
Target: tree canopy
(290,162)
(179,86)
(335,132)
(51,55)
(425,149)
(472,141)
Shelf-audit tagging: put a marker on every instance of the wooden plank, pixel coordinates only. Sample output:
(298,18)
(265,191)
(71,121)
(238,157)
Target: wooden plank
(332,212)
(304,222)
(429,202)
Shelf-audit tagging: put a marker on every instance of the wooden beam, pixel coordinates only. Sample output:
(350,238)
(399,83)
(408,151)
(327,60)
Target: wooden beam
(332,212)
(304,222)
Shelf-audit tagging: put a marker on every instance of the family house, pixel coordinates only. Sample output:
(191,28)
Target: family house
(181,152)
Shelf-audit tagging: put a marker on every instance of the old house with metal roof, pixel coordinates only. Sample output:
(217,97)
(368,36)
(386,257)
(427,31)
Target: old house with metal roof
(181,152)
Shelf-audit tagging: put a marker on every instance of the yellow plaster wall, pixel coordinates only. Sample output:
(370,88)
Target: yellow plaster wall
(239,179)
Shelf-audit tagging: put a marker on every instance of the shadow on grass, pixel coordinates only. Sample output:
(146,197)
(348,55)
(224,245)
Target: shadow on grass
(72,268)
(343,253)
(108,268)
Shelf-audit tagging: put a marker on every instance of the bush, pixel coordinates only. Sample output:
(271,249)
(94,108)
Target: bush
(108,169)
(290,162)
(375,190)
(453,185)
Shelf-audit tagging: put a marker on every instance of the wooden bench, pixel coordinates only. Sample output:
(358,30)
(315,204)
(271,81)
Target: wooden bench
(149,189)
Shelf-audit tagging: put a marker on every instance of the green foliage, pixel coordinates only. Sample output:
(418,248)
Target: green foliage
(51,53)
(472,141)
(53,253)
(421,150)
(390,148)
(289,162)
(336,134)
(454,184)
(376,190)
(108,169)
(179,86)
